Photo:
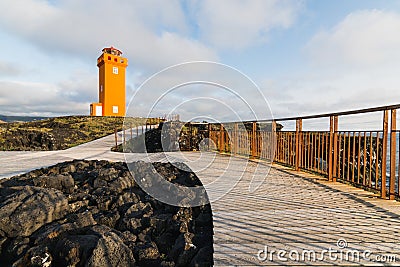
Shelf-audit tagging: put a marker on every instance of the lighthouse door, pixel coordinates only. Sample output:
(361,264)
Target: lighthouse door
(99,111)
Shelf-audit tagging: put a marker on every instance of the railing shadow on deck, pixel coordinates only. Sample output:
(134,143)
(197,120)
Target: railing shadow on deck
(364,158)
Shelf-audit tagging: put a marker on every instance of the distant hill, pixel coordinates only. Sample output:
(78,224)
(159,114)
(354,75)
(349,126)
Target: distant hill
(4,118)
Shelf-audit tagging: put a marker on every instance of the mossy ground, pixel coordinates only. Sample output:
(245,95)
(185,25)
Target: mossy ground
(60,132)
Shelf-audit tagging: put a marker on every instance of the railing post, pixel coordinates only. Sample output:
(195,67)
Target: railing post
(392,153)
(384,152)
(220,138)
(274,141)
(330,154)
(235,138)
(299,128)
(116,137)
(253,139)
(209,135)
(123,135)
(335,147)
(130,125)
(191,136)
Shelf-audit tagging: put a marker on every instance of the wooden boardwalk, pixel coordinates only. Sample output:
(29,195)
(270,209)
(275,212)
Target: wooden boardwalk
(294,212)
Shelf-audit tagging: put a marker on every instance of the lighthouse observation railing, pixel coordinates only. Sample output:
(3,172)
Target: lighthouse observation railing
(357,154)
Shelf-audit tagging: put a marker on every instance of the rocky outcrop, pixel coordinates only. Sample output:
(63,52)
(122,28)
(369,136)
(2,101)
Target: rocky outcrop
(92,213)
(169,136)
(21,204)
(29,139)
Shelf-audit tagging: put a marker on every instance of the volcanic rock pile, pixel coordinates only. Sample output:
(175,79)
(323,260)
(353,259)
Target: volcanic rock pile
(22,139)
(169,136)
(92,213)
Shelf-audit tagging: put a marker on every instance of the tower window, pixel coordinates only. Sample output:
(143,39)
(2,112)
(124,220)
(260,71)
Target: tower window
(115,59)
(115,109)
(109,58)
(115,70)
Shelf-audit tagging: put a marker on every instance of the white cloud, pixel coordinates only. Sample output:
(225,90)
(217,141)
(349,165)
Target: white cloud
(79,87)
(71,96)
(188,87)
(315,92)
(353,65)
(363,39)
(236,24)
(152,34)
(149,32)
(9,69)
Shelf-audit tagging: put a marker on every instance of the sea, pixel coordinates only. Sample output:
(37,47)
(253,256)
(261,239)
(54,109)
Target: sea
(397,158)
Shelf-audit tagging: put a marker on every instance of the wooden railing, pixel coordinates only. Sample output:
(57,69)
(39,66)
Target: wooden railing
(365,158)
(129,130)
(252,139)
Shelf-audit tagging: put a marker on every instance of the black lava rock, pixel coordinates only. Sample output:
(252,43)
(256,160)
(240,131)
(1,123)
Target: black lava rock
(92,213)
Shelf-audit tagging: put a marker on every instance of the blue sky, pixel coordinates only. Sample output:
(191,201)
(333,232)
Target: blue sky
(305,56)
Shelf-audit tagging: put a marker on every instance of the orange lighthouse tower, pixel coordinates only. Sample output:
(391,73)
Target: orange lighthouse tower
(111,84)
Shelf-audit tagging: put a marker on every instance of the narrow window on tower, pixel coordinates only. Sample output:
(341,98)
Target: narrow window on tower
(115,70)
